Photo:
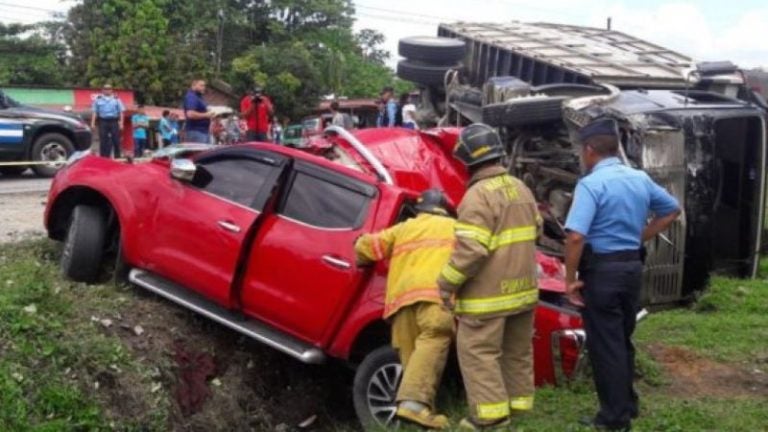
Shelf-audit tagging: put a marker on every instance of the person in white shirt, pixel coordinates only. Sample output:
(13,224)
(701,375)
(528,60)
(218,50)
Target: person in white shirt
(408,110)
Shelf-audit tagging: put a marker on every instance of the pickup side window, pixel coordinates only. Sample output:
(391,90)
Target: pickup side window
(239,180)
(319,201)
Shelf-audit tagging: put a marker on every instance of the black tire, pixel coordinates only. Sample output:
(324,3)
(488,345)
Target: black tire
(422,73)
(524,111)
(470,96)
(570,90)
(378,364)
(12,171)
(433,50)
(84,245)
(54,147)
(122,269)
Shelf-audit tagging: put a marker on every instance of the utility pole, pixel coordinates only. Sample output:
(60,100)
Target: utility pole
(608,24)
(219,41)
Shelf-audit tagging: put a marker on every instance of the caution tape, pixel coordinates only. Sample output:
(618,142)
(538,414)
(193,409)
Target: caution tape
(62,163)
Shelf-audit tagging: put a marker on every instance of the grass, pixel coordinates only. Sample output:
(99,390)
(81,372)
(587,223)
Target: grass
(52,354)
(729,323)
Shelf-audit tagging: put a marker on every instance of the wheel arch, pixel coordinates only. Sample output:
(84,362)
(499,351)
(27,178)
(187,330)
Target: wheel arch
(374,335)
(67,200)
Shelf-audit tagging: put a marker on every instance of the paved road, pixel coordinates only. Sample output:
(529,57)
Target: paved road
(22,202)
(27,183)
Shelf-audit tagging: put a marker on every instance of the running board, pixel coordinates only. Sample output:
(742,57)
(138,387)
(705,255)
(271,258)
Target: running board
(251,328)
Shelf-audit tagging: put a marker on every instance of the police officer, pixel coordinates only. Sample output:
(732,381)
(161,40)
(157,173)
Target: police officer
(421,329)
(490,283)
(606,227)
(108,111)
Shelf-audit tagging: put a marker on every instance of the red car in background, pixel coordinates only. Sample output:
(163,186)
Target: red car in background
(259,238)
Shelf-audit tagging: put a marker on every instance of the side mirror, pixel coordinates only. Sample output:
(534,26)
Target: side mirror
(183,170)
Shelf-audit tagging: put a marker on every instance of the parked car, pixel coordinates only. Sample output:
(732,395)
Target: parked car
(35,134)
(698,130)
(294,136)
(259,238)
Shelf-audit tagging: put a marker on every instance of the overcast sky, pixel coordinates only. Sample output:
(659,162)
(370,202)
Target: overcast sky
(734,30)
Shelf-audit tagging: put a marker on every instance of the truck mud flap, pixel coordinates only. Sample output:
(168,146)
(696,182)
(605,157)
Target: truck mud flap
(251,328)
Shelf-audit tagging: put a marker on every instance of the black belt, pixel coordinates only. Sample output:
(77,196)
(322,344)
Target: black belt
(621,256)
(108,118)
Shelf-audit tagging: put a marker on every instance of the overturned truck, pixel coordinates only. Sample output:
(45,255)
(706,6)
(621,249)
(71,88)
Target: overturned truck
(697,130)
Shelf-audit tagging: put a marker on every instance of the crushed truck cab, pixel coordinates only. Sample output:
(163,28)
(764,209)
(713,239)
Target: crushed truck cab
(259,238)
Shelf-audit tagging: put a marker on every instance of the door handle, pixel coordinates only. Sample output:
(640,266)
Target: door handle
(336,262)
(229,226)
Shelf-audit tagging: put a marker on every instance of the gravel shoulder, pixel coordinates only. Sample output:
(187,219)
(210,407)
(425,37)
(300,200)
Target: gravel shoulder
(21,215)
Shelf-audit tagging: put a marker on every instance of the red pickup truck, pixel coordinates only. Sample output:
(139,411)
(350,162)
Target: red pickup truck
(259,238)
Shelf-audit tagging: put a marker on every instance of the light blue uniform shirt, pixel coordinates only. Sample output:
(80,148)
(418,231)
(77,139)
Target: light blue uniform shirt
(140,120)
(612,204)
(107,107)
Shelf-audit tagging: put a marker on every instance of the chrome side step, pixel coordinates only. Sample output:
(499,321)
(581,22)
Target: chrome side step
(251,328)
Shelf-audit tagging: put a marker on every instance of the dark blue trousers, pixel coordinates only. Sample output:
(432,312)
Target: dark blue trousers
(109,138)
(612,299)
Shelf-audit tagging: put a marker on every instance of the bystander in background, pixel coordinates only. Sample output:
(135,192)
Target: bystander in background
(140,124)
(256,108)
(107,112)
(197,117)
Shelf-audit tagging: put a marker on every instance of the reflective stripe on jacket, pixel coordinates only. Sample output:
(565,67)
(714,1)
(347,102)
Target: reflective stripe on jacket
(492,269)
(418,249)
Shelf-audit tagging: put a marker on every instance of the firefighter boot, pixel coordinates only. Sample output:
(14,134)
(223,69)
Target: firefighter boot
(422,416)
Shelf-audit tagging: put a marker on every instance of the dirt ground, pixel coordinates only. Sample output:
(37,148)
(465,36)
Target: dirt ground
(219,380)
(21,215)
(691,375)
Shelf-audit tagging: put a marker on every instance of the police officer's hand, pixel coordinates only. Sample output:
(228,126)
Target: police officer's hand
(573,293)
(447,298)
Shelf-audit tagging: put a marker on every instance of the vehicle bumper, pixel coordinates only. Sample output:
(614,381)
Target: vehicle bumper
(83,140)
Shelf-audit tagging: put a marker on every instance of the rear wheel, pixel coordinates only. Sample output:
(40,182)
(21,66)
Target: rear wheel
(54,148)
(84,245)
(375,389)
(422,73)
(431,49)
(524,111)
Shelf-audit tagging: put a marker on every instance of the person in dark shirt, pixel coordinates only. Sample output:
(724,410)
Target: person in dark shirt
(198,118)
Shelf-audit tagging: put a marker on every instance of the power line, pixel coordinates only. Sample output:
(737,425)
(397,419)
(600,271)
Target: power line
(18,6)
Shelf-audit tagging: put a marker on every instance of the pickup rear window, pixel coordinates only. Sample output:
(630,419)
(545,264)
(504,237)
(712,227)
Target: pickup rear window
(323,204)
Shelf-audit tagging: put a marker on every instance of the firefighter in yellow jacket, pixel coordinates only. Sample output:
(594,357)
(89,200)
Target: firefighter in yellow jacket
(422,329)
(490,283)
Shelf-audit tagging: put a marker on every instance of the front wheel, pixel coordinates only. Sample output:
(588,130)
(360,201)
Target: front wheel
(375,388)
(54,148)
(84,245)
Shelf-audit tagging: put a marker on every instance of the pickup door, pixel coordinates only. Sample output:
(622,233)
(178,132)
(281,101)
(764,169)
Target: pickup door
(301,276)
(198,230)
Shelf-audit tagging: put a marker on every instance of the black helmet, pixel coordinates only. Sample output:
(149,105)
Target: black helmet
(478,143)
(432,201)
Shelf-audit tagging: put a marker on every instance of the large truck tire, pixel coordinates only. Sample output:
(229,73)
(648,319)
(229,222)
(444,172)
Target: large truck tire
(53,147)
(570,90)
(374,391)
(422,73)
(84,245)
(524,111)
(433,50)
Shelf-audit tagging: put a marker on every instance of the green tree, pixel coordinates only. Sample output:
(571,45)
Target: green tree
(27,57)
(286,71)
(132,49)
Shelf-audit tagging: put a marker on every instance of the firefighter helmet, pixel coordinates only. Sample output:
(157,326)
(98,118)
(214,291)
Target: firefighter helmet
(478,143)
(432,201)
